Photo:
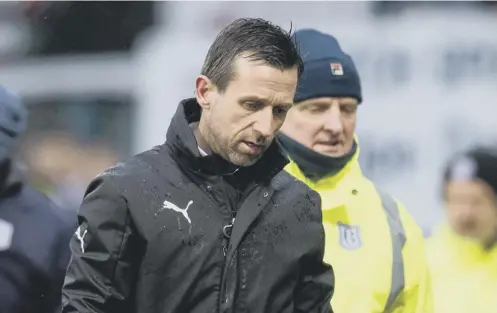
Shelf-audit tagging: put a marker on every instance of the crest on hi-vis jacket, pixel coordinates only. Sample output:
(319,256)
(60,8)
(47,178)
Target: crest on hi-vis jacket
(349,236)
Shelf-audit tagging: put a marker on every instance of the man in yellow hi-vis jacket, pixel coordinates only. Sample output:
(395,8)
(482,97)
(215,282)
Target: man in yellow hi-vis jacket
(463,252)
(373,244)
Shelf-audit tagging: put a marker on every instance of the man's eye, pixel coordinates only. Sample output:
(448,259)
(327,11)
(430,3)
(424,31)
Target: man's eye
(252,105)
(280,111)
(317,109)
(348,110)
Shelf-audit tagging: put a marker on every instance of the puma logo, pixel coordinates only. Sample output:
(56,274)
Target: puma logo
(174,207)
(81,238)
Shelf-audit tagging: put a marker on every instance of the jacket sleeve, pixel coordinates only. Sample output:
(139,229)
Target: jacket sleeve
(417,296)
(104,253)
(14,283)
(313,295)
(13,276)
(31,273)
(61,256)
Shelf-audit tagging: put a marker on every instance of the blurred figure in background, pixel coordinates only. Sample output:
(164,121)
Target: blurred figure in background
(463,251)
(34,237)
(373,244)
(62,168)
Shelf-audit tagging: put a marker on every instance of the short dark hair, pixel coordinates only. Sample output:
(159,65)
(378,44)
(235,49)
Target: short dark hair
(262,40)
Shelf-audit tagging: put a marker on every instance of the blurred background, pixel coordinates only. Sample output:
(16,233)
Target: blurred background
(103,79)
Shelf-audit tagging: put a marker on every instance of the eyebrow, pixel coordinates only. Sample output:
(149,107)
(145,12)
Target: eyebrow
(287,105)
(349,103)
(265,101)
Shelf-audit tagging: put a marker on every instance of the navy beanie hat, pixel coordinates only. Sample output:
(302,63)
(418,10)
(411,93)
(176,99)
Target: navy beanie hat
(328,71)
(13,121)
(479,163)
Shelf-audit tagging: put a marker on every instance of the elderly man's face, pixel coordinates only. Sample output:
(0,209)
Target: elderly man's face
(325,125)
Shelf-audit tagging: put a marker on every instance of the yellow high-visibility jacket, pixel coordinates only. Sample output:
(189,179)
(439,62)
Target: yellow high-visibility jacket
(376,249)
(464,274)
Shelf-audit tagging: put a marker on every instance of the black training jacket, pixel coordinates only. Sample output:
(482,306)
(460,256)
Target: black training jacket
(156,235)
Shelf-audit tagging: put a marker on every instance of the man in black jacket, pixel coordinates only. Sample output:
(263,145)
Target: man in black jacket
(208,222)
(34,235)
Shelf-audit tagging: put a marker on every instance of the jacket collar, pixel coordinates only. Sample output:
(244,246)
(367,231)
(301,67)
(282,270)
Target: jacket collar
(183,146)
(11,181)
(467,250)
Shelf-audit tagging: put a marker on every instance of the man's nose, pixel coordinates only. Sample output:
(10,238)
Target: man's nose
(464,211)
(264,123)
(333,121)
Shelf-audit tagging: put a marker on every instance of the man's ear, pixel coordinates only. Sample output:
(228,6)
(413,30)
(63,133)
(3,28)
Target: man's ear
(204,91)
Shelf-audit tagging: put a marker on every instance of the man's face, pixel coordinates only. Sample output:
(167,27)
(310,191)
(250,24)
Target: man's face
(243,120)
(471,210)
(325,125)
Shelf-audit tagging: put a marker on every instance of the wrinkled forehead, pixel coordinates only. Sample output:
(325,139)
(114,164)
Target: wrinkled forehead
(471,188)
(264,82)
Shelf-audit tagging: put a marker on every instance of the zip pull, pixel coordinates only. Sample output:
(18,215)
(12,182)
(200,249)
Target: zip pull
(228,228)
(227,235)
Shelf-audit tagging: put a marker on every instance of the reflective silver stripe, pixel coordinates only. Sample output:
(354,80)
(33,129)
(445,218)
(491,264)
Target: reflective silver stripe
(398,236)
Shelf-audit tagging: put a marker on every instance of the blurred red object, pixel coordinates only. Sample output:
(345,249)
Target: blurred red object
(34,8)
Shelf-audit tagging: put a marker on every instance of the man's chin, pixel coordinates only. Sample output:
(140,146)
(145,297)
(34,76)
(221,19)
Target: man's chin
(467,232)
(244,160)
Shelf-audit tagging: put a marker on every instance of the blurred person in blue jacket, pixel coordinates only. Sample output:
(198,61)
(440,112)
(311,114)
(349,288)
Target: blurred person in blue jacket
(34,235)
(463,251)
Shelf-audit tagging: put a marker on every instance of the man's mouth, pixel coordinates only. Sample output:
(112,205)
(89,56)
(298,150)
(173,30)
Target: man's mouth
(331,143)
(329,146)
(335,142)
(253,147)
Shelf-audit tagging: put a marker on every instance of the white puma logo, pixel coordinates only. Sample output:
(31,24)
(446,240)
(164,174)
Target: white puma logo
(174,207)
(81,238)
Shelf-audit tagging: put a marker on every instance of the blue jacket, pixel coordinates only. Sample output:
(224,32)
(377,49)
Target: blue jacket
(34,248)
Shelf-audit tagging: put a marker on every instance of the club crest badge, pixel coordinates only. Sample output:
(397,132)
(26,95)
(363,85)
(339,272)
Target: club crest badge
(336,69)
(349,236)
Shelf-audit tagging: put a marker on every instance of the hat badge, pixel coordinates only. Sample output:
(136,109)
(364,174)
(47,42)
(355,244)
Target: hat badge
(336,69)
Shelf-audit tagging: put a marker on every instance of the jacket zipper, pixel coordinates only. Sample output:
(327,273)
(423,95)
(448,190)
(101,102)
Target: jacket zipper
(227,230)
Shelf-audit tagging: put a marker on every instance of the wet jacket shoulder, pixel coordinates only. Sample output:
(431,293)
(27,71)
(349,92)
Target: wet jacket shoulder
(156,235)
(34,249)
